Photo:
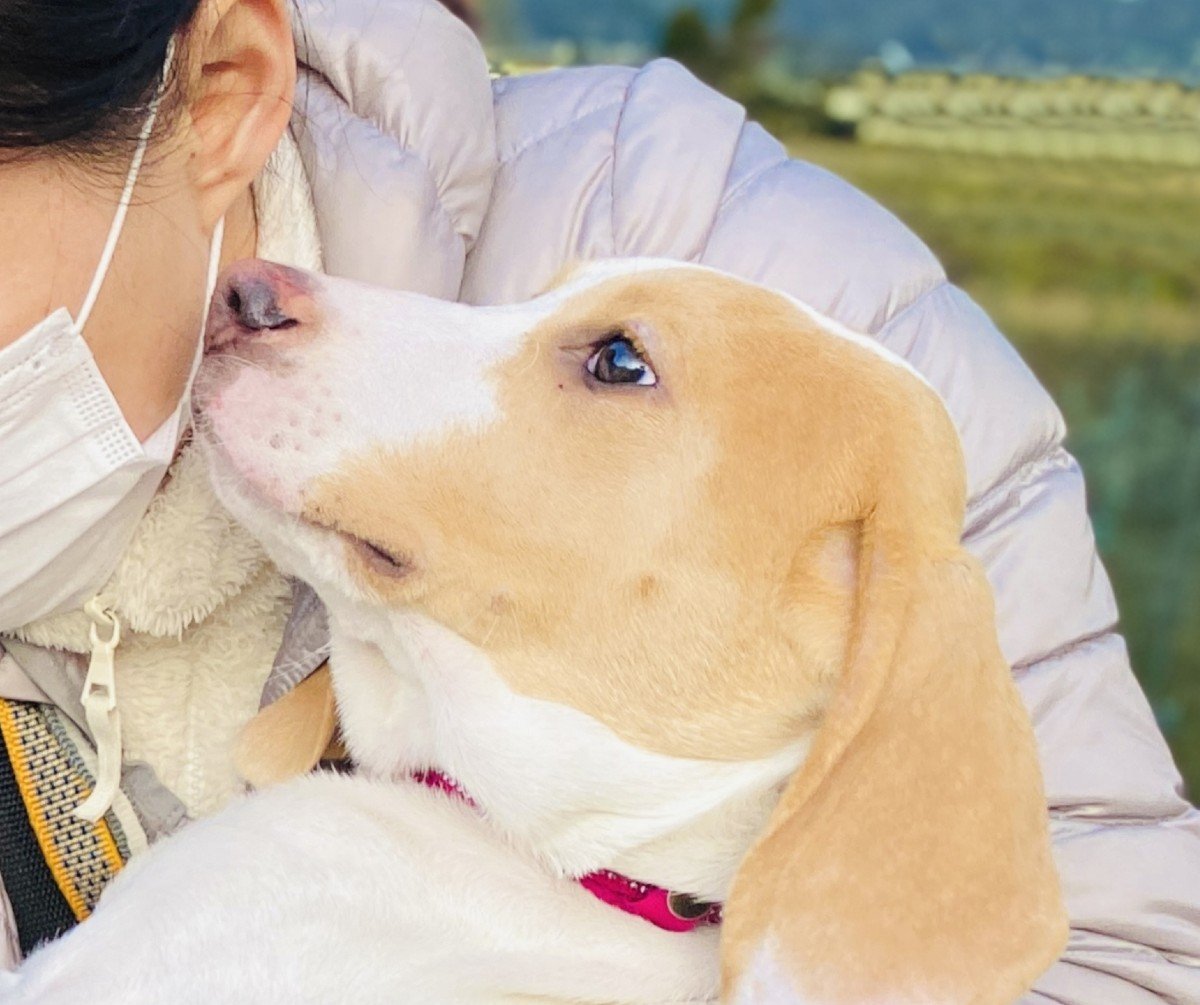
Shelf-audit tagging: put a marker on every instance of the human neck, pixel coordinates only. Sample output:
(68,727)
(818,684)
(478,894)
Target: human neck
(241,230)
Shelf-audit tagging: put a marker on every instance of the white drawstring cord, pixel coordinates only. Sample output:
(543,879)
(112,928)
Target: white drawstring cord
(135,166)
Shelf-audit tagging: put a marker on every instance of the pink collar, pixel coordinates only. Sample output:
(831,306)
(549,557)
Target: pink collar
(674,912)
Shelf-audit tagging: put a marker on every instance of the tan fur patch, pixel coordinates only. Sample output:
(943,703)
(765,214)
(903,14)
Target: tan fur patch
(669,555)
(288,738)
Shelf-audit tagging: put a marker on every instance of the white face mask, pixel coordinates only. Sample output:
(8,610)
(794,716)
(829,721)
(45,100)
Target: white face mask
(74,479)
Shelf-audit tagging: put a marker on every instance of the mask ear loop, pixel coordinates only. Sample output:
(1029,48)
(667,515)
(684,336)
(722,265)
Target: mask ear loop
(214,256)
(118,221)
(99,697)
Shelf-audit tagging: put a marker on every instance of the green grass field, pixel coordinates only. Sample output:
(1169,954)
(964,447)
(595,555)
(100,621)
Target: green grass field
(1093,271)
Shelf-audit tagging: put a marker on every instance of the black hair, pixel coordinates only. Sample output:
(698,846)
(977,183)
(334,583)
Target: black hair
(80,74)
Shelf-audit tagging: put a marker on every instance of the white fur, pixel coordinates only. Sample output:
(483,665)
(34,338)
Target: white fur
(559,783)
(766,982)
(417,368)
(345,890)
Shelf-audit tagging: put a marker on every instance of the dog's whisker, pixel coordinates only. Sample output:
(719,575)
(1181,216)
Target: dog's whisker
(496,619)
(537,351)
(517,626)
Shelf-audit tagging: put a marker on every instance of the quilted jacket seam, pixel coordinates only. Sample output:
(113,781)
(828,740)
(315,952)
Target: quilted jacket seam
(941,285)
(439,196)
(1106,821)
(733,195)
(612,175)
(1025,473)
(730,195)
(1125,947)
(529,144)
(1065,649)
(403,149)
(742,187)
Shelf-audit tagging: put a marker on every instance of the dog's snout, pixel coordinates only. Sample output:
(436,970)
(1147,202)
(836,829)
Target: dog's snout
(255,297)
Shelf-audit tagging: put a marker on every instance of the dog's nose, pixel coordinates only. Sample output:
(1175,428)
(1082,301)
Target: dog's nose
(254,297)
(254,305)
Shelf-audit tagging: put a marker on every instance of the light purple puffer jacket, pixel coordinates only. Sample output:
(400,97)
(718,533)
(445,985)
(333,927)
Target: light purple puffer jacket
(441,182)
(428,176)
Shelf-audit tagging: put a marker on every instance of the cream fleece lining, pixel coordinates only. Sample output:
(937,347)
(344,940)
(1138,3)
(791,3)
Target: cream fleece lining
(203,609)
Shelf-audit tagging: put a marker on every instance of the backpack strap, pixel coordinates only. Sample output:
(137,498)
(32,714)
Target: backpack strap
(54,864)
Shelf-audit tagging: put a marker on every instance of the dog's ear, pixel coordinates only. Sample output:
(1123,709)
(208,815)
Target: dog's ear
(908,860)
(288,737)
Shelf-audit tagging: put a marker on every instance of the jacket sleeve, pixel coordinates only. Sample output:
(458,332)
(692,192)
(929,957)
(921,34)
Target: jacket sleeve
(618,162)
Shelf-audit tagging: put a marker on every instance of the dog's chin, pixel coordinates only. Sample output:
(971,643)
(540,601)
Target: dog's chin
(295,546)
(247,500)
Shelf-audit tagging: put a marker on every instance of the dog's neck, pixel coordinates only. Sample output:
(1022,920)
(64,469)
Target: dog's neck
(564,788)
(702,855)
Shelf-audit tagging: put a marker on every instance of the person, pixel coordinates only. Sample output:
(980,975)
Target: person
(146,142)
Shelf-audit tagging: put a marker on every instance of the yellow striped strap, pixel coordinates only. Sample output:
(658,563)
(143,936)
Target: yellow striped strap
(83,857)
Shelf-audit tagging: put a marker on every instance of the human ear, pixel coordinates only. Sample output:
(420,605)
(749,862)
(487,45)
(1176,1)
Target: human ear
(241,82)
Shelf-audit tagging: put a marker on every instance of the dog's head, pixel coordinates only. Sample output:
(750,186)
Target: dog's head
(632,559)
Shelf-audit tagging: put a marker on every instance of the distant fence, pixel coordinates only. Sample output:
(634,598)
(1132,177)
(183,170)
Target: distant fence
(1064,118)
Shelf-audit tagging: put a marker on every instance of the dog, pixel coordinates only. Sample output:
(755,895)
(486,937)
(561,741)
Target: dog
(665,673)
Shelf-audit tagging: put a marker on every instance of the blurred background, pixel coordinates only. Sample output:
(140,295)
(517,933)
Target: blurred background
(1049,152)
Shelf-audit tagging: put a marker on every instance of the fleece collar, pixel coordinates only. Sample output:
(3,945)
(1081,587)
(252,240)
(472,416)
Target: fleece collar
(186,559)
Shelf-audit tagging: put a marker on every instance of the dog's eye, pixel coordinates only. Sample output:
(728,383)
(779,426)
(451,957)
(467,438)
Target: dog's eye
(618,361)
(380,560)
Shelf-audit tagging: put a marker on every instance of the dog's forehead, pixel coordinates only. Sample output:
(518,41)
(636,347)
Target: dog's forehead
(503,326)
(393,369)
(594,275)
